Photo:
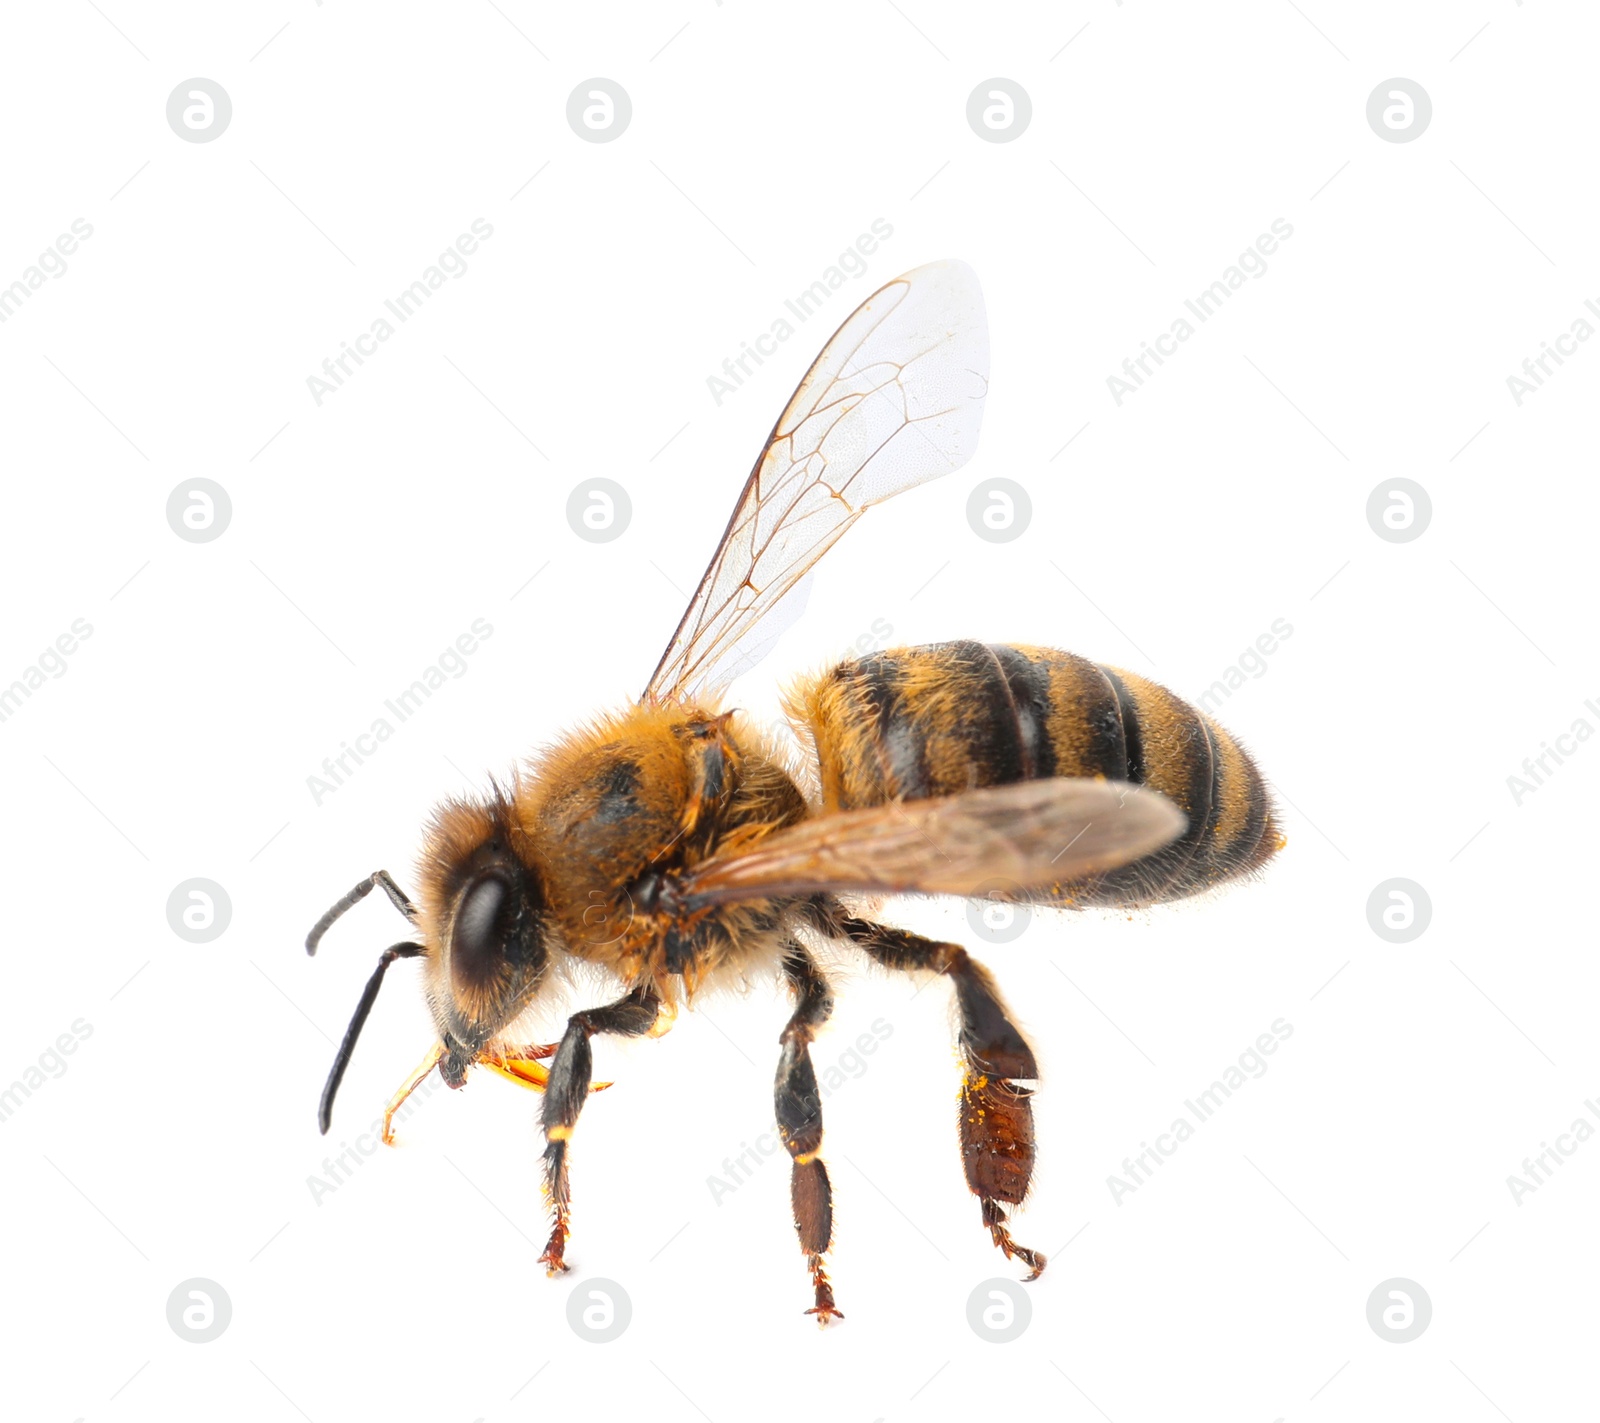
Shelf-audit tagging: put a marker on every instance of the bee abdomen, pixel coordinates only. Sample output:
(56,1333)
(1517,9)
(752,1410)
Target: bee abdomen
(919,722)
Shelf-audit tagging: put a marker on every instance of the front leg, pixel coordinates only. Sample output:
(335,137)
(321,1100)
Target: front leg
(631,1016)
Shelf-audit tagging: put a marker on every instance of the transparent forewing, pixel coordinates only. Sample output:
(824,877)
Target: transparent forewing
(894,400)
(1030,835)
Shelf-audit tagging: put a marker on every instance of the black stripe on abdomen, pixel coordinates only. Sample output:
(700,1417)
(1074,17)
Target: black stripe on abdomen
(974,723)
(1028,684)
(1128,714)
(899,742)
(1205,800)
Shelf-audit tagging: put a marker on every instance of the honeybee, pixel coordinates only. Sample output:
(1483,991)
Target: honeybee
(670,845)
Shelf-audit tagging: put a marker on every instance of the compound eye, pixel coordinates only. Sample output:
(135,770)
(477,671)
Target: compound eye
(479,938)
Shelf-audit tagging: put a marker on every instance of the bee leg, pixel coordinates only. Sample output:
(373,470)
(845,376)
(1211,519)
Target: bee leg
(996,1121)
(570,1070)
(799,1111)
(413,1081)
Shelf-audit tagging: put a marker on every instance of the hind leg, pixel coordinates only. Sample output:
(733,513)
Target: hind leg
(799,1111)
(996,1115)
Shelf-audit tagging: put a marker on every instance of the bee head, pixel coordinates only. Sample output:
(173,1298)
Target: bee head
(483,916)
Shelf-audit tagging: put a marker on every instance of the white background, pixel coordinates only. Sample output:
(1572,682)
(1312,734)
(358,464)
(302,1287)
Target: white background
(369,531)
